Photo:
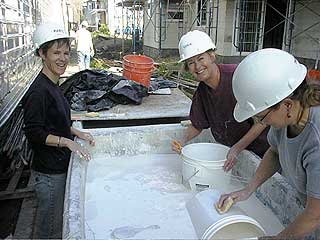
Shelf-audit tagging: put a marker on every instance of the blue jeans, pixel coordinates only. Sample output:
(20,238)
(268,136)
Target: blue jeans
(49,190)
(83,60)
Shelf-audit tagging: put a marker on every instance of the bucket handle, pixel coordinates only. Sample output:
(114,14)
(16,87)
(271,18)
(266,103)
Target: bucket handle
(233,177)
(198,170)
(189,178)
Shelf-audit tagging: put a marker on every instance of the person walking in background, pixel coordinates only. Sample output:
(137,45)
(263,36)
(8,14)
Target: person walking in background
(47,121)
(85,48)
(280,96)
(213,101)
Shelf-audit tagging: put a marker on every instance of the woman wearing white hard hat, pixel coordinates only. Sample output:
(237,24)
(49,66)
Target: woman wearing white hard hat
(269,86)
(48,128)
(213,101)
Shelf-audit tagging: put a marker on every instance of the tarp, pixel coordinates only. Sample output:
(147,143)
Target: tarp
(95,90)
(160,82)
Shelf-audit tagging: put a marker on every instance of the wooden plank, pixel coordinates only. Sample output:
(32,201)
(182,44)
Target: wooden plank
(19,193)
(25,223)
(15,180)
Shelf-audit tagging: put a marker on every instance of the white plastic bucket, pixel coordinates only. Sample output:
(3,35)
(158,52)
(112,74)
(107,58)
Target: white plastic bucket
(209,224)
(202,166)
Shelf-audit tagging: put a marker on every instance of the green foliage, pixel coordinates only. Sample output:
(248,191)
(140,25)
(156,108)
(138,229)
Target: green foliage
(162,70)
(103,31)
(172,66)
(95,34)
(98,64)
(187,76)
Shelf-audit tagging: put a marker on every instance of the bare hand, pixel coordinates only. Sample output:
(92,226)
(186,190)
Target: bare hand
(236,197)
(176,146)
(87,137)
(232,157)
(79,150)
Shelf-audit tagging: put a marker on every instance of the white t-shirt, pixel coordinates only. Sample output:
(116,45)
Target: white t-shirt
(84,41)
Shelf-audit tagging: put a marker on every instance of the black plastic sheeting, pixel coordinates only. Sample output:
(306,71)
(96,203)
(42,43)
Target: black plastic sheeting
(95,90)
(160,82)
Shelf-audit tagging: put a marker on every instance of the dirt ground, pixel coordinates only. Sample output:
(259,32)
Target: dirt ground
(114,48)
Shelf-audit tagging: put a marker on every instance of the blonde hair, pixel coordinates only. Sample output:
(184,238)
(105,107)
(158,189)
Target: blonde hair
(308,94)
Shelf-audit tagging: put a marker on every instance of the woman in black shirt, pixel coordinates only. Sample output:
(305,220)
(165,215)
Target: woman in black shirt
(48,129)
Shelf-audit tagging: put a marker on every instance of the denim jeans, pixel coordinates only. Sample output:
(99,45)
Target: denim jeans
(83,60)
(49,190)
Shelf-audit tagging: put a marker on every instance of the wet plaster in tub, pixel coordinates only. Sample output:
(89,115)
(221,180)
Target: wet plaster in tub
(132,188)
(142,197)
(138,197)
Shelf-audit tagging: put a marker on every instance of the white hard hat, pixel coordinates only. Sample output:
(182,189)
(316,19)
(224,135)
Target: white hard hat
(85,23)
(194,43)
(47,32)
(263,79)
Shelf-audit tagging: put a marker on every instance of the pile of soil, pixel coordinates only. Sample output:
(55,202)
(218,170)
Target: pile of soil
(114,48)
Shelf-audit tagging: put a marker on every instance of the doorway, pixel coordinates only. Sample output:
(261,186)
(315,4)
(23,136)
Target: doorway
(274,23)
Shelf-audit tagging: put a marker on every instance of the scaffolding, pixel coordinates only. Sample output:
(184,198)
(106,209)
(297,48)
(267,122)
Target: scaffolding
(162,14)
(250,26)
(165,21)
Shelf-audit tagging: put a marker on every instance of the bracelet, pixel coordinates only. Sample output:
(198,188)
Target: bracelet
(59,141)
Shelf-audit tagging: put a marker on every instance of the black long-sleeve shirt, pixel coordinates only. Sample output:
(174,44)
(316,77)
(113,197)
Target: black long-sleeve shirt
(46,111)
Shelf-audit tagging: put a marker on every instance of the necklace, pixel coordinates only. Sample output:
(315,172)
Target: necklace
(295,130)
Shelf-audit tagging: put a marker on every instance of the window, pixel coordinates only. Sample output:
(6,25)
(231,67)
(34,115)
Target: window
(1,46)
(202,13)
(150,7)
(12,28)
(175,10)
(249,26)
(10,43)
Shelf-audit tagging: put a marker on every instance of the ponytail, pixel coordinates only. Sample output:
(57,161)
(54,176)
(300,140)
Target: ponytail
(308,94)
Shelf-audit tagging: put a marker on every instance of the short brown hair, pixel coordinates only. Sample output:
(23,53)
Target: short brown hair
(62,41)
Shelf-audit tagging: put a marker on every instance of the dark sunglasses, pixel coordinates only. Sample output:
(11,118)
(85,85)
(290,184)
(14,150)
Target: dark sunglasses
(260,119)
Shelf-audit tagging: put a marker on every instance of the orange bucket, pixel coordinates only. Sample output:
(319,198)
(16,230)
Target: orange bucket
(313,75)
(138,68)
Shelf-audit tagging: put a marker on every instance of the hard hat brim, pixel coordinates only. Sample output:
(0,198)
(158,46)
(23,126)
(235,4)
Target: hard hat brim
(186,58)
